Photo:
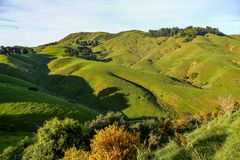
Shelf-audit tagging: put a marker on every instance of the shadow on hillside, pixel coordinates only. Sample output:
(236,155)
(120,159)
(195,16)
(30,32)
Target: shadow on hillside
(24,122)
(77,90)
(31,68)
(31,122)
(73,88)
(207,147)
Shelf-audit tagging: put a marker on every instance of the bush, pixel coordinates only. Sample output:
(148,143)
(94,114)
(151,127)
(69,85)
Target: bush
(54,138)
(15,153)
(188,122)
(143,153)
(114,143)
(146,127)
(39,151)
(227,105)
(102,121)
(74,154)
(11,153)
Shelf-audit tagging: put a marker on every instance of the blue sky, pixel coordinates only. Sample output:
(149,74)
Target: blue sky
(34,22)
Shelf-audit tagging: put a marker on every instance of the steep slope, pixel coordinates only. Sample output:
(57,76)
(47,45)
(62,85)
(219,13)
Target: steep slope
(218,140)
(150,76)
(25,102)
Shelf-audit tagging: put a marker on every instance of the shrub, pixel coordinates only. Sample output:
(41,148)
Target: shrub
(54,138)
(154,141)
(188,122)
(146,127)
(227,105)
(15,152)
(166,130)
(114,143)
(183,142)
(143,153)
(204,117)
(74,154)
(154,133)
(39,151)
(102,121)
(11,153)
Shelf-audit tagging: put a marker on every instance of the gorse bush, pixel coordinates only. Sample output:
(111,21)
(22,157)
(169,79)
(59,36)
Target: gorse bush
(113,143)
(74,154)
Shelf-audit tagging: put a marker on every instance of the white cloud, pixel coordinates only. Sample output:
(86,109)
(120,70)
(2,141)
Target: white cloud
(42,21)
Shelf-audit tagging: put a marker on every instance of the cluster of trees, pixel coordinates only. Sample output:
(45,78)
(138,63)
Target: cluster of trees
(188,33)
(81,51)
(87,43)
(84,50)
(108,137)
(16,50)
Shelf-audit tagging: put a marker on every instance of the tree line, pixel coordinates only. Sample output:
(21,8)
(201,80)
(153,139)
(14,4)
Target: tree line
(16,50)
(188,33)
(82,52)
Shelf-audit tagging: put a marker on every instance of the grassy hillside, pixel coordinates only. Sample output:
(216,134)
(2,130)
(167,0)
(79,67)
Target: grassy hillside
(158,75)
(22,109)
(132,72)
(218,140)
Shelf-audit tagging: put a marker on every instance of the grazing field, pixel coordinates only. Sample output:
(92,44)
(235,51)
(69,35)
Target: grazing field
(142,76)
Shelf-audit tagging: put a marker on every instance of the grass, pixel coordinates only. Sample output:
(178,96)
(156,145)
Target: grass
(12,138)
(218,140)
(145,77)
(160,66)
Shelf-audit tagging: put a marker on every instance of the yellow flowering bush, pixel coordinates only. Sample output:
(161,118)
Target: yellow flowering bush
(111,143)
(114,143)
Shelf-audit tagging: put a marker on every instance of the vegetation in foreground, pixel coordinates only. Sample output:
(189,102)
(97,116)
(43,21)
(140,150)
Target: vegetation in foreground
(211,135)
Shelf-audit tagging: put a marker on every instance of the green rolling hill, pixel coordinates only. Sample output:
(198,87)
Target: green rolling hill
(85,74)
(155,76)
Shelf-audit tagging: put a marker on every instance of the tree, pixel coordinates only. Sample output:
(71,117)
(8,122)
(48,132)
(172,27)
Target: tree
(54,138)
(188,33)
